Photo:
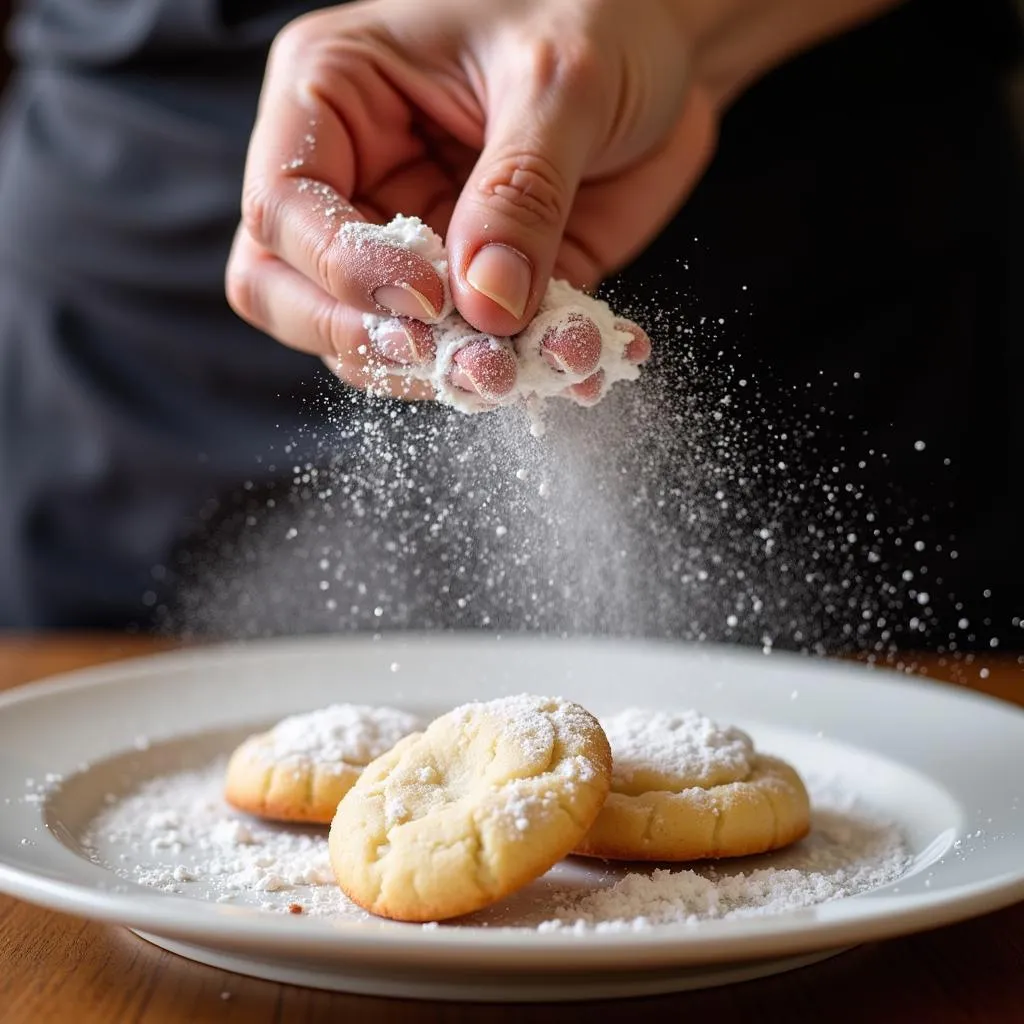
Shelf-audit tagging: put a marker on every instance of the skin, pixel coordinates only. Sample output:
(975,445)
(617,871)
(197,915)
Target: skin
(555,137)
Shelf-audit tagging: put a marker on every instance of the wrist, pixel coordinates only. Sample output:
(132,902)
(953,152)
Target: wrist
(734,42)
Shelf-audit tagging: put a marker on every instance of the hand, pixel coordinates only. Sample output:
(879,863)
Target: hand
(538,137)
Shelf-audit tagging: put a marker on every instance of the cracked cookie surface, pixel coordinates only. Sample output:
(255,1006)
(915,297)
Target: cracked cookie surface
(684,788)
(300,769)
(486,799)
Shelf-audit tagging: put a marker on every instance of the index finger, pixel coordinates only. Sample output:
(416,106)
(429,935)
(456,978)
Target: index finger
(303,168)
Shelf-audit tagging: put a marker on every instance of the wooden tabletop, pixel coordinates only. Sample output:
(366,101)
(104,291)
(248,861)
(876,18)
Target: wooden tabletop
(59,968)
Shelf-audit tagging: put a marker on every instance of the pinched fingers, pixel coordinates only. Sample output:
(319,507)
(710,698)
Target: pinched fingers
(311,228)
(484,368)
(639,349)
(574,347)
(281,302)
(305,162)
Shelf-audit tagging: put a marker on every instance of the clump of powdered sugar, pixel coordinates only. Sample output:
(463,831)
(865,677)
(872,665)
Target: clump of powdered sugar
(351,733)
(536,380)
(684,748)
(176,834)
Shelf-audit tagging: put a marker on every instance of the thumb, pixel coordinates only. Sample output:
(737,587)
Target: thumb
(506,229)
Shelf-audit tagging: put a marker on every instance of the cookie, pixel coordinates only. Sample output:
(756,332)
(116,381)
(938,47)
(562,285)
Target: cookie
(488,798)
(300,769)
(685,789)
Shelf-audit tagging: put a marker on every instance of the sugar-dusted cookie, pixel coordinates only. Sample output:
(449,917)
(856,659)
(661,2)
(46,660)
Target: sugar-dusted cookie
(685,789)
(300,769)
(488,798)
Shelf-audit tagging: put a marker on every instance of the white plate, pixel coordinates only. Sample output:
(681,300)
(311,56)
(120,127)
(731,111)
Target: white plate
(943,763)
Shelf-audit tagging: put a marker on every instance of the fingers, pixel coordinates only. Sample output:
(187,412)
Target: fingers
(508,223)
(344,256)
(406,342)
(587,392)
(639,349)
(302,167)
(279,301)
(486,368)
(573,346)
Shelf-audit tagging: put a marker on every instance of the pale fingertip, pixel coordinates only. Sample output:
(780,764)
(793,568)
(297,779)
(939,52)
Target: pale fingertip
(573,347)
(587,392)
(639,349)
(480,367)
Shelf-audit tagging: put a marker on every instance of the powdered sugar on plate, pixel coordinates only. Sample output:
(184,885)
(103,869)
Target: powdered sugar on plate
(175,833)
(536,380)
(355,734)
(844,855)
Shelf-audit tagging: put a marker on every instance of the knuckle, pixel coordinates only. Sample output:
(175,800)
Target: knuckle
(260,214)
(329,328)
(529,188)
(571,65)
(294,44)
(241,292)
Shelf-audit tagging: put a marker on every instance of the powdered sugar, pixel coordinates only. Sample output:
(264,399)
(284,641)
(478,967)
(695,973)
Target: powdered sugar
(843,857)
(533,724)
(176,834)
(526,767)
(353,734)
(673,750)
(536,380)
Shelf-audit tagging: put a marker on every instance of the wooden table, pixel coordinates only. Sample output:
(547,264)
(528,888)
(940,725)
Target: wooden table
(62,969)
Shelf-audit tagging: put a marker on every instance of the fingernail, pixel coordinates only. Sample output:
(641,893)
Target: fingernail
(503,275)
(408,343)
(404,300)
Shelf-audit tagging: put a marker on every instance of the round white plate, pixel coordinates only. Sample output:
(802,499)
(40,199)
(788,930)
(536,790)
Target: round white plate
(942,763)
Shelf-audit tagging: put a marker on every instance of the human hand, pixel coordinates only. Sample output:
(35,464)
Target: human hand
(541,137)
(538,137)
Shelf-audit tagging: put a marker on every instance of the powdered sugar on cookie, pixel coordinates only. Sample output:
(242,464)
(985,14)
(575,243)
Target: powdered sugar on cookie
(487,798)
(532,722)
(352,734)
(672,750)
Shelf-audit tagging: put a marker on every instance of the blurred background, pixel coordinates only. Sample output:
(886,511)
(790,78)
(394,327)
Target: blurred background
(837,316)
